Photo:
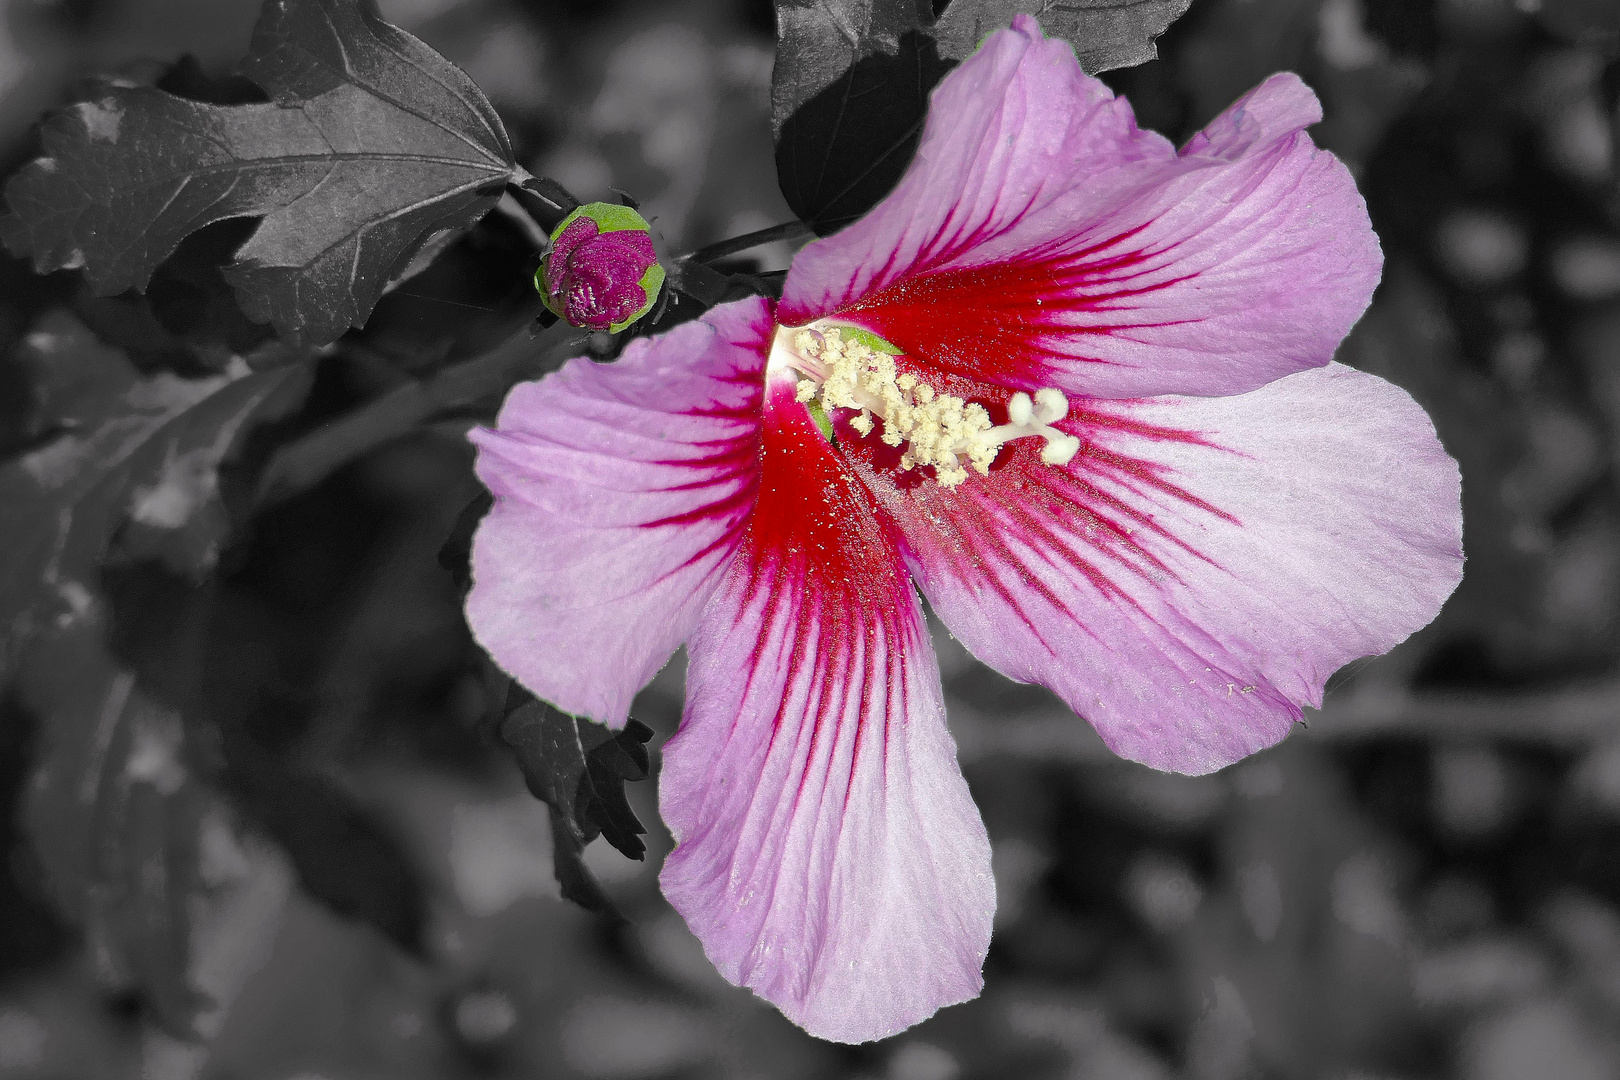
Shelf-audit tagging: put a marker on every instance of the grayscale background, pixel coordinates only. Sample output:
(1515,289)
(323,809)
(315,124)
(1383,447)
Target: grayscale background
(1423,884)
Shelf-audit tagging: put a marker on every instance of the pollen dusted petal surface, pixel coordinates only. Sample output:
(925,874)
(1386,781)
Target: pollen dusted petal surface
(1203,565)
(828,854)
(620,494)
(1039,238)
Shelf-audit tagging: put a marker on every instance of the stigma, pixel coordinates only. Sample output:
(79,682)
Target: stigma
(840,368)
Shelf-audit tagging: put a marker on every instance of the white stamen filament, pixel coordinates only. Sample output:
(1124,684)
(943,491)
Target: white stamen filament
(938,430)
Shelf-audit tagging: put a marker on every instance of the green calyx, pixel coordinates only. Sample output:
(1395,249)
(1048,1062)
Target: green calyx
(609,217)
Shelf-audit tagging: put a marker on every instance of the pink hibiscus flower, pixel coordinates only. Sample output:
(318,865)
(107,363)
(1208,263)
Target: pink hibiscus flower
(1073,384)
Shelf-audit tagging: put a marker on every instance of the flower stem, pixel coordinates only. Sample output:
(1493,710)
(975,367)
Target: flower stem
(785,231)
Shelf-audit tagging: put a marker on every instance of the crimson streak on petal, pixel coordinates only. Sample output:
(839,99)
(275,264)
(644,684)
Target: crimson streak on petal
(1040,238)
(1045,509)
(1191,579)
(829,856)
(620,494)
(1006,322)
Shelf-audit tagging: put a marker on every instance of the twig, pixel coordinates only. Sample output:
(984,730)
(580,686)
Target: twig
(719,250)
(301,464)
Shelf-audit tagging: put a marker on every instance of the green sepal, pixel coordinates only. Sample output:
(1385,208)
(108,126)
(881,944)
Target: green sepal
(609,217)
(652,282)
(869,339)
(819,415)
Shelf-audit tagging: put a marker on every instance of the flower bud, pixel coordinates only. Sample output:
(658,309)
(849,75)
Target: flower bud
(601,272)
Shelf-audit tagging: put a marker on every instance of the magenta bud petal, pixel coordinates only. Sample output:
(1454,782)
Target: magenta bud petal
(601,272)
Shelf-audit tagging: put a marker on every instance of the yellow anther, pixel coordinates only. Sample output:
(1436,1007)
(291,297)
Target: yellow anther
(1061,450)
(1020,410)
(1050,405)
(937,430)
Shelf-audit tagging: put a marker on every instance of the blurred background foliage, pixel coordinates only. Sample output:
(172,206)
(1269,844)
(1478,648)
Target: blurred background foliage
(1423,883)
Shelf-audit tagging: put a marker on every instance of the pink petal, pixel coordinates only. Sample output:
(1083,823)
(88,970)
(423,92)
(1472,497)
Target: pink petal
(621,492)
(828,854)
(1199,570)
(1039,238)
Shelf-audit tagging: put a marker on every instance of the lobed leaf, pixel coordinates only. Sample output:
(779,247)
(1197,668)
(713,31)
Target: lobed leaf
(188,319)
(1106,34)
(850,90)
(176,906)
(848,97)
(114,817)
(343,855)
(579,768)
(1593,23)
(115,450)
(136,846)
(370,144)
